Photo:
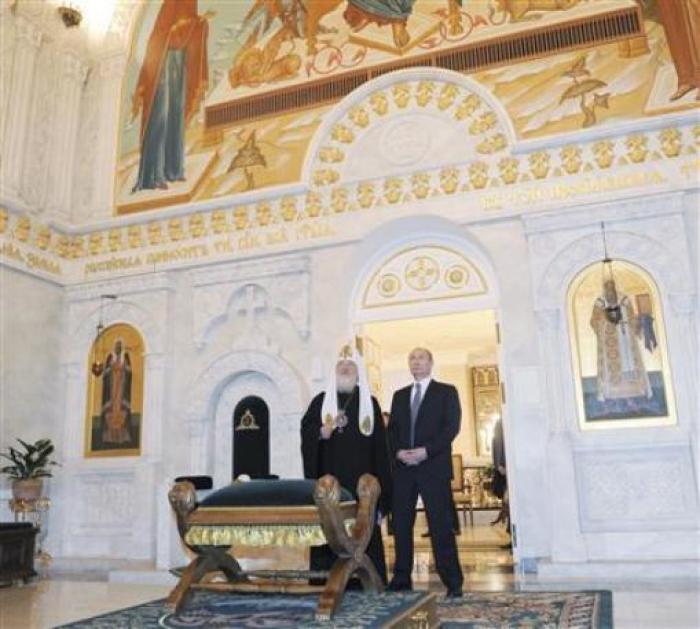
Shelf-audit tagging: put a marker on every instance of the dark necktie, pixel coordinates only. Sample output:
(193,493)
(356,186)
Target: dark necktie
(415,405)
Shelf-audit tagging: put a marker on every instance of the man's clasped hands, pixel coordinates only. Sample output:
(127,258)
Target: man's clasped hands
(413,456)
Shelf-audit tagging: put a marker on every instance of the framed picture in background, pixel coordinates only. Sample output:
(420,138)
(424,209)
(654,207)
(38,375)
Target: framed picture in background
(486,387)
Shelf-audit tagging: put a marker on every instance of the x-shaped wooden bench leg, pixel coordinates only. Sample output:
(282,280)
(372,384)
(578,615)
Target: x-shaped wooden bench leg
(183,500)
(350,549)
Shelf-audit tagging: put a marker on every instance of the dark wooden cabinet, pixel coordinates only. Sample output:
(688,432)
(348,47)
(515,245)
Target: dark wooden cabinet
(17,541)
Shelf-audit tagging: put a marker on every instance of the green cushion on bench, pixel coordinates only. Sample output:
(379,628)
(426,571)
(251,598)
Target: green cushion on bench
(263,512)
(268,493)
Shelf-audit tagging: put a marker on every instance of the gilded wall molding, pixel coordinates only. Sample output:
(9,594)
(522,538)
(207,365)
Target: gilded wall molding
(423,273)
(642,163)
(401,116)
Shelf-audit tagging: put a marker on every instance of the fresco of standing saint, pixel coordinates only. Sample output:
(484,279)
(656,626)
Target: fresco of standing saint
(681,21)
(621,372)
(171,85)
(619,348)
(204,77)
(115,393)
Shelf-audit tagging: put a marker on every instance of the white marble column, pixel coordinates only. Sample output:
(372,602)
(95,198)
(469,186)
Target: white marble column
(682,321)
(67,115)
(153,407)
(71,454)
(110,72)
(27,40)
(548,322)
(566,544)
(75,386)
(285,446)
(686,378)
(197,439)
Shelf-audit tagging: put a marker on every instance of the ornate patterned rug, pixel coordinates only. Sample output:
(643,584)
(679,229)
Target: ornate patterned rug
(544,610)
(209,610)
(477,610)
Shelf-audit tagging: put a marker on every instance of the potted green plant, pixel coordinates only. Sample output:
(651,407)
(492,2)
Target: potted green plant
(30,465)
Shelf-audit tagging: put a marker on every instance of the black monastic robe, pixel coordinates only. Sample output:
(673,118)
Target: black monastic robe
(347,455)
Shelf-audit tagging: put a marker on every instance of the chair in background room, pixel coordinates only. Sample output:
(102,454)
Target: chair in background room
(462,498)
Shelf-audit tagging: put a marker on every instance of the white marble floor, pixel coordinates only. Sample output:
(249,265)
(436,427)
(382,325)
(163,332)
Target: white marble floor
(49,603)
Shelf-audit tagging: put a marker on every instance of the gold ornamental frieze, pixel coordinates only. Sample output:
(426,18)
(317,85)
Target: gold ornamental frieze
(504,184)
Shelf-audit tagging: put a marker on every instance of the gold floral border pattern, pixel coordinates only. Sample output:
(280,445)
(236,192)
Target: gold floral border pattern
(496,173)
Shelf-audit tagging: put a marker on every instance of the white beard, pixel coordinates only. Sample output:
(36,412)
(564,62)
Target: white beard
(345,384)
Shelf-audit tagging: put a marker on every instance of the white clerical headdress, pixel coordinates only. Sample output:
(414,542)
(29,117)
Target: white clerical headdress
(329,410)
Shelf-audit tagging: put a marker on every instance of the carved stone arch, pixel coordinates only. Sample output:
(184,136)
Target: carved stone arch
(269,376)
(390,113)
(670,273)
(121,30)
(120,311)
(213,380)
(78,345)
(449,248)
(665,266)
(245,384)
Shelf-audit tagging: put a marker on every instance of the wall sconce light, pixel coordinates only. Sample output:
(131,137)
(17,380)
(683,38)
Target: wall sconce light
(97,367)
(70,14)
(613,311)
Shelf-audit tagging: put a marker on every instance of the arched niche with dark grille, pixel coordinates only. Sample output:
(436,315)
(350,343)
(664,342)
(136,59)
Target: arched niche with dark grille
(251,438)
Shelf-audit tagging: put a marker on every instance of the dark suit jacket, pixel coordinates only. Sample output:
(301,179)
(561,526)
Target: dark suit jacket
(437,425)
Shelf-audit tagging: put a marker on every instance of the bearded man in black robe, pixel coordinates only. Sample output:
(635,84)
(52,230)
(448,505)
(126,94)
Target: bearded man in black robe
(342,434)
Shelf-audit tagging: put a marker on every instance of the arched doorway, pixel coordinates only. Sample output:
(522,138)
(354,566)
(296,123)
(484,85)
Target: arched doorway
(217,391)
(428,284)
(251,438)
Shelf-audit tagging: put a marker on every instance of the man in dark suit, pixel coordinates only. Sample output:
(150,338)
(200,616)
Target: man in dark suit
(425,418)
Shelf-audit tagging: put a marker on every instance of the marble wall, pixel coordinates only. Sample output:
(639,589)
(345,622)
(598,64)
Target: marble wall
(31,374)
(270,326)
(613,491)
(30,360)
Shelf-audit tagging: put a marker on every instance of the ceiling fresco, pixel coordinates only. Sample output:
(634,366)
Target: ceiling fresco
(220,98)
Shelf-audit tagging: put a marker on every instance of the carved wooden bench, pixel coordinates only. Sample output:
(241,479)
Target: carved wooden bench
(276,513)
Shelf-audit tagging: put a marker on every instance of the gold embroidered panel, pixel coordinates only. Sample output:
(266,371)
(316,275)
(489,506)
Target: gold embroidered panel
(260,535)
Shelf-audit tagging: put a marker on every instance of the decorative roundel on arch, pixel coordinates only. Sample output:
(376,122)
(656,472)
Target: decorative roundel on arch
(423,273)
(404,121)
